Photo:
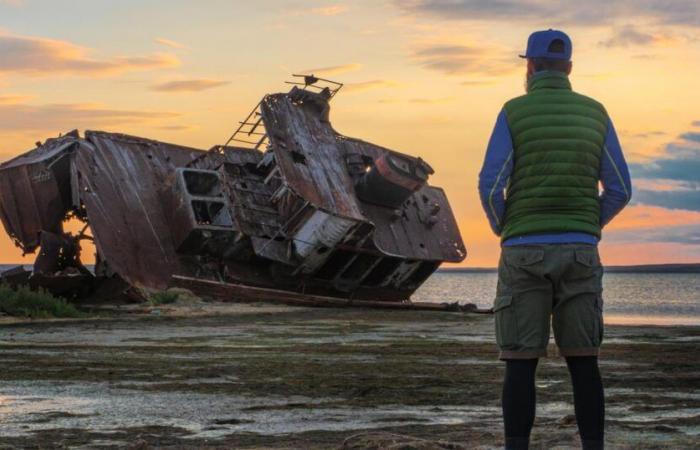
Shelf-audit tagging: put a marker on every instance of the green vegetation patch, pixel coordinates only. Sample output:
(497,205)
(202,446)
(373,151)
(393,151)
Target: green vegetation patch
(163,298)
(173,295)
(24,302)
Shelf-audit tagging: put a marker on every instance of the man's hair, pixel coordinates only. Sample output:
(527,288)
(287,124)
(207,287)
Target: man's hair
(559,65)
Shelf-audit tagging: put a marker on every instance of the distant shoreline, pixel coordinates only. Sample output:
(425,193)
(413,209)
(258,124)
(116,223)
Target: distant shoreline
(644,268)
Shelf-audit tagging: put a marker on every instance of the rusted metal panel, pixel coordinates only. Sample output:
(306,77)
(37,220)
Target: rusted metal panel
(120,182)
(32,192)
(424,229)
(309,156)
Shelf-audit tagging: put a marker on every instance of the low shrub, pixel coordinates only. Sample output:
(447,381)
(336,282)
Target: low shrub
(163,298)
(24,302)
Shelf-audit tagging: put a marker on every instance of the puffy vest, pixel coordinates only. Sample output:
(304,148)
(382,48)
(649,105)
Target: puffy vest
(558,137)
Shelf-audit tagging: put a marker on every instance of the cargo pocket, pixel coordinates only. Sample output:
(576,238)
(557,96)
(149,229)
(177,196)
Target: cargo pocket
(588,269)
(524,265)
(506,326)
(523,257)
(599,318)
(588,257)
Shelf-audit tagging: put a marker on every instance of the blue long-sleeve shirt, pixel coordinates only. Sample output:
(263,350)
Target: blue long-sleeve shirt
(498,166)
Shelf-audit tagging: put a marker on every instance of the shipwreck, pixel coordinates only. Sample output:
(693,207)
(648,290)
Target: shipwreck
(287,208)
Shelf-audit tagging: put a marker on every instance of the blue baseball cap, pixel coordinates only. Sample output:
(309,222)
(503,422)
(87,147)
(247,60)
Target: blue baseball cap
(553,44)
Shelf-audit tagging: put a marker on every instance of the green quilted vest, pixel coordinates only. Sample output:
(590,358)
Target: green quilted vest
(558,137)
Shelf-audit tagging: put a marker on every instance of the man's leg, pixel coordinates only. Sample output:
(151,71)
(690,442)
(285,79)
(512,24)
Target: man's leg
(518,401)
(589,400)
(522,314)
(578,330)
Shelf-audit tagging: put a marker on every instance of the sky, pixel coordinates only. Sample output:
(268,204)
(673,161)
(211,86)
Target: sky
(426,77)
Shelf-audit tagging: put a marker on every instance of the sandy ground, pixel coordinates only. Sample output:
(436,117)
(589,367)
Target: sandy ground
(260,376)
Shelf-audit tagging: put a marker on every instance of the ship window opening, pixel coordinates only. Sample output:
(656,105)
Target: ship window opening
(211,213)
(334,264)
(203,184)
(359,267)
(422,273)
(385,268)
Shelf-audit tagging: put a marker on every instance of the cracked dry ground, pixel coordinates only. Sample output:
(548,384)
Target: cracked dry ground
(278,377)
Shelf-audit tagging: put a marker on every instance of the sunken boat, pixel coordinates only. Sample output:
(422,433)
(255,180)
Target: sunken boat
(287,209)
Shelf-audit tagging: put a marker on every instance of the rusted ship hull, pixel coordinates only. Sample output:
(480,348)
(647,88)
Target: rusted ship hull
(315,212)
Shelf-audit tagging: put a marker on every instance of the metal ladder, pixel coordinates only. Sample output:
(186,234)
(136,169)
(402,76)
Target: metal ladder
(251,131)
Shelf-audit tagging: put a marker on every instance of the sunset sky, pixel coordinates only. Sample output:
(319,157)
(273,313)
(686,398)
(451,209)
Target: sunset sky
(426,77)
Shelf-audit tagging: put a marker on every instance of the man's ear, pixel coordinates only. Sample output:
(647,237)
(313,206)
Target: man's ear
(568,70)
(530,67)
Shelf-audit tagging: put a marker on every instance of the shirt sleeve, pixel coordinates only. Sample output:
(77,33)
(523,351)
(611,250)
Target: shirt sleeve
(495,172)
(614,177)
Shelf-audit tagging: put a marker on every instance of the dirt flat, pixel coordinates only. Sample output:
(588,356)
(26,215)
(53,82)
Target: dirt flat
(258,376)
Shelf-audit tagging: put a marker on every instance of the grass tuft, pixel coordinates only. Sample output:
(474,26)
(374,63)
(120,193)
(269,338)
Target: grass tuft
(39,304)
(164,298)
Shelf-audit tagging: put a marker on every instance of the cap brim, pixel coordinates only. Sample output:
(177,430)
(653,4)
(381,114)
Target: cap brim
(522,56)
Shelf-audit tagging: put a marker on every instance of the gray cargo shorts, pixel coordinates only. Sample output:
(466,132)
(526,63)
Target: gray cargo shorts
(559,284)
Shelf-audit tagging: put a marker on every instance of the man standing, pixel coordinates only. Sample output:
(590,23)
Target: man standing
(539,187)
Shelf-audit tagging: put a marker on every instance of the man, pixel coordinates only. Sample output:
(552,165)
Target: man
(539,188)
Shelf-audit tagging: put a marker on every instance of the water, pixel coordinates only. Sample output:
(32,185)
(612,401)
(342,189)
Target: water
(630,298)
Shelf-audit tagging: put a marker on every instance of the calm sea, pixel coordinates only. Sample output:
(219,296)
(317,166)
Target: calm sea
(630,298)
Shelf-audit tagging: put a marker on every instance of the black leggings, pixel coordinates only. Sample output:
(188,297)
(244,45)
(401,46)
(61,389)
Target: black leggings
(519,401)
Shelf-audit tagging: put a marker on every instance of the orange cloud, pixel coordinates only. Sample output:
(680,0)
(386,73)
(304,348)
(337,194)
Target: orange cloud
(194,85)
(460,59)
(333,70)
(13,99)
(367,85)
(177,127)
(629,36)
(431,101)
(63,117)
(332,10)
(647,253)
(642,216)
(41,56)
(170,43)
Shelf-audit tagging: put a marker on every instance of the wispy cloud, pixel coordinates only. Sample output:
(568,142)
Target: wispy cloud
(176,127)
(333,70)
(367,85)
(170,43)
(430,101)
(417,100)
(680,199)
(13,99)
(459,59)
(692,136)
(680,168)
(61,117)
(41,56)
(331,10)
(193,85)
(629,36)
(592,12)
(643,134)
(683,234)
(482,82)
